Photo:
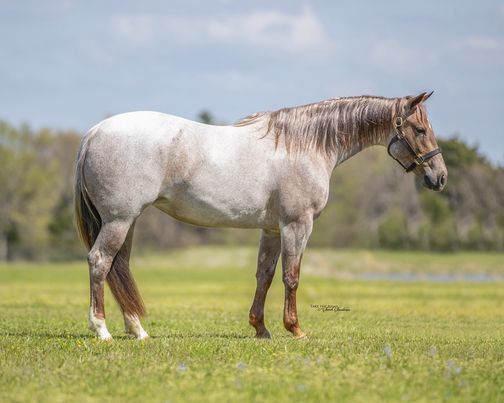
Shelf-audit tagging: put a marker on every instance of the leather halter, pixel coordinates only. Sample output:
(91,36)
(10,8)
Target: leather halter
(419,159)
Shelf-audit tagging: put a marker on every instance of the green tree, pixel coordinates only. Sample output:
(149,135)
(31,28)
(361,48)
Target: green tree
(458,154)
(206,117)
(393,231)
(64,243)
(27,181)
(440,228)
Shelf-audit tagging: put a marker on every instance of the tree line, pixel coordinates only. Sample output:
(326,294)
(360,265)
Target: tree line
(372,203)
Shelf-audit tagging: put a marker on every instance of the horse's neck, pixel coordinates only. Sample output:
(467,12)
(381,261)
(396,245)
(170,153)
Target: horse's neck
(352,144)
(341,155)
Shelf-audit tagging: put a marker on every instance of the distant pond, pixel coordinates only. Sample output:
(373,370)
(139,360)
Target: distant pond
(433,277)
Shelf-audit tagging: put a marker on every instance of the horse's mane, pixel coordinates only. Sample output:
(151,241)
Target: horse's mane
(330,125)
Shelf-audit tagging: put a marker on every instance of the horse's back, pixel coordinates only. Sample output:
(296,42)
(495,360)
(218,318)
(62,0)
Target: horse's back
(211,175)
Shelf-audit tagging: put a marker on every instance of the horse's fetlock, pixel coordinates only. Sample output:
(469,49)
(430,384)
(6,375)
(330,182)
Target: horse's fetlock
(290,323)
(255,319)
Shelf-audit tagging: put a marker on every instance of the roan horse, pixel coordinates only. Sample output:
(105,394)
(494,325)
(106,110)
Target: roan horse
(270,170)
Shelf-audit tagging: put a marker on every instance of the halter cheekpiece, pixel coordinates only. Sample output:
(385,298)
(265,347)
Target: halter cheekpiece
(418,159)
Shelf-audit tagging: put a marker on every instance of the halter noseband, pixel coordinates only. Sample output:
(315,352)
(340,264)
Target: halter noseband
(418,158)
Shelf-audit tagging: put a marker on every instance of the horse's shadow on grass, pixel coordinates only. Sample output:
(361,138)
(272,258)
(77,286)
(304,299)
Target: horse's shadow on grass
(45,335)
(88,336)
(203,335)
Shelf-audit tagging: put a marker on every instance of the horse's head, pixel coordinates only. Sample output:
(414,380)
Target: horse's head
(413,143)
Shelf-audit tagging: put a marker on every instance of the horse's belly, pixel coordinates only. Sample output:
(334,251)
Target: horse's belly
(219,180)
(233,210)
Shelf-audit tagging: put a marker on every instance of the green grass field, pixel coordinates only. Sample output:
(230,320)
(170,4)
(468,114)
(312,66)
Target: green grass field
(400,341)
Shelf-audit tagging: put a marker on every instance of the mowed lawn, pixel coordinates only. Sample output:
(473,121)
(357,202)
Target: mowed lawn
(400,341)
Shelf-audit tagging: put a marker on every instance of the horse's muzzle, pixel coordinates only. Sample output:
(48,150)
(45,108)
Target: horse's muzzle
(436,185)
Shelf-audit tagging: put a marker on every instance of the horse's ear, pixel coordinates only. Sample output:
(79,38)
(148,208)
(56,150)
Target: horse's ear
(427,96)
(413,102)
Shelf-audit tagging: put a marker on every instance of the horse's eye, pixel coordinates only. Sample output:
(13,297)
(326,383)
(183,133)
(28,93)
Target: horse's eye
(420,131)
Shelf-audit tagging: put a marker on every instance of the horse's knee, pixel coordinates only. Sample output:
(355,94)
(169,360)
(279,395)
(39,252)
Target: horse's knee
(265,275)
(291,283)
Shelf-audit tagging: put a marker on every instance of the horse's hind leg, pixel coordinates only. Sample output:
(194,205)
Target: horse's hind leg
(132,323)
(100,258)
(269,250)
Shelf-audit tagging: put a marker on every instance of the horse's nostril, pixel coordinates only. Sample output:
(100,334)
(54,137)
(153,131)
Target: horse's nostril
(428,182)
(442,180)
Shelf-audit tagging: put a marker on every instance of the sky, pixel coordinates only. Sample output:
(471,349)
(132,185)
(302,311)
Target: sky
(67,64)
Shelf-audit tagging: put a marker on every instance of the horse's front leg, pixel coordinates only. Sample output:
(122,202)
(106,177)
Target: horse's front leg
(294,238)
(269,251)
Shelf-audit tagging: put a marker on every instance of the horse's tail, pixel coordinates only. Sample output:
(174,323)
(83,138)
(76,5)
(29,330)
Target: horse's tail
(88,223)
(87,218)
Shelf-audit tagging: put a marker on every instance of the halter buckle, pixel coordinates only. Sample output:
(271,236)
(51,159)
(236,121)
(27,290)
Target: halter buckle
(399,121)
(419,160)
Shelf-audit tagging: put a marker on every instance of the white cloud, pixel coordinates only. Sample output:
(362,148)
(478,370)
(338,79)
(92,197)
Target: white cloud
(480,49)
(483,43)
(96,52)
(230,80)
(270,29)
(394,56)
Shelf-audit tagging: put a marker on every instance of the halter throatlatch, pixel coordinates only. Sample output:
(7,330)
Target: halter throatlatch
(418,159)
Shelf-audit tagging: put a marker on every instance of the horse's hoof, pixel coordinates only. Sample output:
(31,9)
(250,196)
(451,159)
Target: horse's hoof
(263,335)
(140,336)
(101,333)
(301,336)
